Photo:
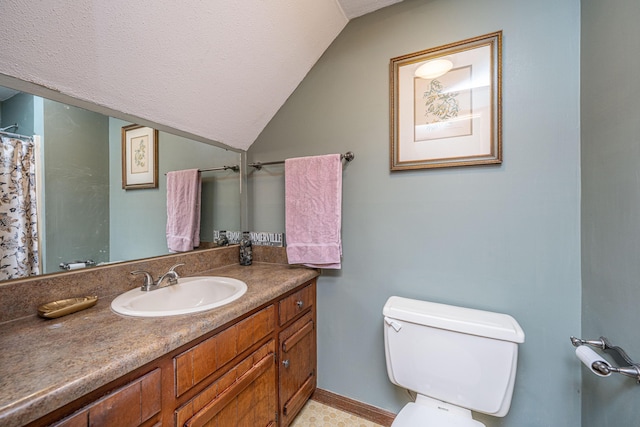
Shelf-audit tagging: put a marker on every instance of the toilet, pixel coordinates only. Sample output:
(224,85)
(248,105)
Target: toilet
(455,359)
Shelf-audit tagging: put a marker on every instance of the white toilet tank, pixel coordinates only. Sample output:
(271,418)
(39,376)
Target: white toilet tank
(462,356)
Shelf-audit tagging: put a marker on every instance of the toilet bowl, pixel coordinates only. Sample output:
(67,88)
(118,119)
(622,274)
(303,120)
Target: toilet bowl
(457,360)
(426,412)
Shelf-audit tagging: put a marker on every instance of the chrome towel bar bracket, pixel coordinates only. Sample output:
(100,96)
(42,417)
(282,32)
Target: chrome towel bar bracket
(626,366)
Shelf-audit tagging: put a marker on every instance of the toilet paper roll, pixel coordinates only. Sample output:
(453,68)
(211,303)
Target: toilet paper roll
(589,357)
(76,265)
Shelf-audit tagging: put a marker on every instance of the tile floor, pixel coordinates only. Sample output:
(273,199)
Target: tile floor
(316,414)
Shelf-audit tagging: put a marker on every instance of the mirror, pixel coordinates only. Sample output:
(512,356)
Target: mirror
(84,213)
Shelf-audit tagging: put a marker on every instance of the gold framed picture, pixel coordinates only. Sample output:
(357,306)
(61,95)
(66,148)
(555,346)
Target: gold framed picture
(139,157)
(446,105)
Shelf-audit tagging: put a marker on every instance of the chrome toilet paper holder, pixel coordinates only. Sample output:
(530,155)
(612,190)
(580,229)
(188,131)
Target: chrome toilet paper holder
(626,366)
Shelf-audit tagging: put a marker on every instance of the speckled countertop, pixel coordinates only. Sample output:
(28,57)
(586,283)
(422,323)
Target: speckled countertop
(46,364)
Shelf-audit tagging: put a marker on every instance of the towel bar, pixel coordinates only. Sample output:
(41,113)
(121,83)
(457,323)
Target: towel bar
(234,168)
(348,156)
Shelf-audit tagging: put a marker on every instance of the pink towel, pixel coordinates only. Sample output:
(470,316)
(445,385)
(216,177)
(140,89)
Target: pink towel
(313,210)
(183,210)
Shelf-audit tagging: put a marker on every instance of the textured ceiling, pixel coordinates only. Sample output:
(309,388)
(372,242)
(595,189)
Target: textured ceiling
(217,70)
(354,8)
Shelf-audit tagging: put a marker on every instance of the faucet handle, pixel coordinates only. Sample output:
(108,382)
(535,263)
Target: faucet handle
(148,280)
(174,267)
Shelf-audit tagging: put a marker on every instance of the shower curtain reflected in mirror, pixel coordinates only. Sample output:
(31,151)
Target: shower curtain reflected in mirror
(19,255)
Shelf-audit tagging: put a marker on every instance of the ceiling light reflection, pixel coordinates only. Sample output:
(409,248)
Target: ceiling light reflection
(433,69)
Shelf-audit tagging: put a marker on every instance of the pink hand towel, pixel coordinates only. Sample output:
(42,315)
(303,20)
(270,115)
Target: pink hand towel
(313,210)
(183,210)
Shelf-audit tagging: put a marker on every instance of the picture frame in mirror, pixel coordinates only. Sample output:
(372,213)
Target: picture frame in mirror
(139,157)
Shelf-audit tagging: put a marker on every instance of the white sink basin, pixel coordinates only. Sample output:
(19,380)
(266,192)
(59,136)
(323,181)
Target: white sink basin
(190,295)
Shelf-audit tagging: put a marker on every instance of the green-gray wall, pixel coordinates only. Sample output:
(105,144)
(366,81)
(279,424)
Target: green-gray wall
(76,179)
(18,110)
(503,238)
(610,97)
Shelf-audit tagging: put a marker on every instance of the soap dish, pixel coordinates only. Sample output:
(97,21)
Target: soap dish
(52,310)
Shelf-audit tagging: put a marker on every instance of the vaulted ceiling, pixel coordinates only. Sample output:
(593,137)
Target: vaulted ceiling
(219,70)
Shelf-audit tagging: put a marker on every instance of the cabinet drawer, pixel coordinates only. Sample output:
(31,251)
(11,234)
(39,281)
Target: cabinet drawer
(244,396)
(296,303)
(197,363)
(128,406)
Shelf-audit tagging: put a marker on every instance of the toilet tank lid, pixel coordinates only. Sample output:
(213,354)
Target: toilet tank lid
(458,319)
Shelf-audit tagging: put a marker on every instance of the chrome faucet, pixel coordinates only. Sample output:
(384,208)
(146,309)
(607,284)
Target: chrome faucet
(171,277)
(148,280)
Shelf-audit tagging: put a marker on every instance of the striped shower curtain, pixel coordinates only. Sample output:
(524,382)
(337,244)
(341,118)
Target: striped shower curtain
(19,256)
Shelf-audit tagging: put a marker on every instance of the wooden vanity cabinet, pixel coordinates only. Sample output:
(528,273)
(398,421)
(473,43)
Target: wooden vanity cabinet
(297,352)
(257,391)
(256,372)
(133,405)
(243,396)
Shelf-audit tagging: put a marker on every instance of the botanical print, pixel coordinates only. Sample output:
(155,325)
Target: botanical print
(19,255)
(139,155)
(443,105)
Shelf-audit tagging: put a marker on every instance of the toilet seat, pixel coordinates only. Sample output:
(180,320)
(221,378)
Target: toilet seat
(417,415)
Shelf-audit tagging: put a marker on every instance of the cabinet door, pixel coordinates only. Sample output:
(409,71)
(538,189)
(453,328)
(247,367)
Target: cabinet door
(243,397)
(297,369)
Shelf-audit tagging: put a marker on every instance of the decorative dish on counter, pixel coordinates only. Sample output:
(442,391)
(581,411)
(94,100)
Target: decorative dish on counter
(52,310)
